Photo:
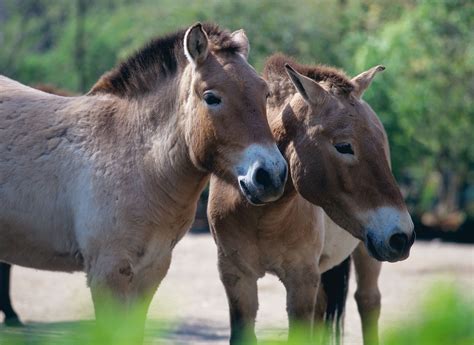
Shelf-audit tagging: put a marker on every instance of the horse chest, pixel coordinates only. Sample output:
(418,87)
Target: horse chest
(338,245)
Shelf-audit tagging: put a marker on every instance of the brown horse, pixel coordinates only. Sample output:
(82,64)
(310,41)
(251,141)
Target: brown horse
(108,182)
(339,165)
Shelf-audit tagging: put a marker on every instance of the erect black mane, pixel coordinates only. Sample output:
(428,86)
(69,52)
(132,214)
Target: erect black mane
(159,59)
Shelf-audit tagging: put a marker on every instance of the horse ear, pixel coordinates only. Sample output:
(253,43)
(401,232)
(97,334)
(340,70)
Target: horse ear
(363,80)
(241,39)
(309,89)
(196,44)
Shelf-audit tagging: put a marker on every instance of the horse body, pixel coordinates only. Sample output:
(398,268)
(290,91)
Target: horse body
(37,179)
(58,189)
(108,182)
(339,186)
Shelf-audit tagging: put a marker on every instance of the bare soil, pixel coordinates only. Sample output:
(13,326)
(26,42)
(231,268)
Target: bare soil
(191,305)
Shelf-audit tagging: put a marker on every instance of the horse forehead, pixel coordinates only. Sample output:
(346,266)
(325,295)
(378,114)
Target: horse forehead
(239,71)
(344,117)
(369,124)
(337,115)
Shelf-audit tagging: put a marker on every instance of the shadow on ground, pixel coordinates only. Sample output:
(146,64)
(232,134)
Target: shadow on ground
(157,332)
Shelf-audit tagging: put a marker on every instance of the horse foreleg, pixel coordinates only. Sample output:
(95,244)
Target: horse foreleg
(11,318)
(112,282)
(242,296)
(367,295)
(301,285)
(146,288)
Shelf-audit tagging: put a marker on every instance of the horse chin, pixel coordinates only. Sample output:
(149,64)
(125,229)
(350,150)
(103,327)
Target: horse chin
(372,249)
(251,197)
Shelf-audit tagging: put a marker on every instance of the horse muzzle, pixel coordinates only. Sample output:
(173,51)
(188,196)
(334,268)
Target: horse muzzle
(390,235)
(398,248)
(262,174)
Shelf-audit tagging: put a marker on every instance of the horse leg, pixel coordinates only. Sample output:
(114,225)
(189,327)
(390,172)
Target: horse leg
(367,294)
(320,308)
(242,296)
(331,302)
(11,318)
(148,285)
(111,280)
(301,291)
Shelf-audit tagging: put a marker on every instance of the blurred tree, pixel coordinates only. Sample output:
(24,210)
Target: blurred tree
(425,98)
(427,94)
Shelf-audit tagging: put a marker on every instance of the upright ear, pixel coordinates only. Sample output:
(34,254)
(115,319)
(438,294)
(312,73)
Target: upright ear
(241,39)
(363,80)
(196,44)
(309,89)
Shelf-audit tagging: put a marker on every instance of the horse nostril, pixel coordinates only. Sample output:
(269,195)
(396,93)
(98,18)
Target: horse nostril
(398,242)
(262,177)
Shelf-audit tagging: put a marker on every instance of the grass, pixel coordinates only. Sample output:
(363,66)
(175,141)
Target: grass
(444,317)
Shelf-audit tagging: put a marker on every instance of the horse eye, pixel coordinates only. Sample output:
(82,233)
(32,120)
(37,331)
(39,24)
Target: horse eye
(344,148)
(211,99)
(268,94)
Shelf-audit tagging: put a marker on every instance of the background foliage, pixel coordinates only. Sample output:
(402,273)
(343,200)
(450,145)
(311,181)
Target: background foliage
(425,97)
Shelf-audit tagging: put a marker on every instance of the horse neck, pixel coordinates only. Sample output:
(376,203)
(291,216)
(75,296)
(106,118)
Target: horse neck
(176,177)
(276,218)
(152,127)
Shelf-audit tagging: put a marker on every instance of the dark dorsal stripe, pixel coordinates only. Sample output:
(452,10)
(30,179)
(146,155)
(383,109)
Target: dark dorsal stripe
(275,69)
(158,60)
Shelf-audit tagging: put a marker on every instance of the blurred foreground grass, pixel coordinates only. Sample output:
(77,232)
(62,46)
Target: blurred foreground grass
(445,316)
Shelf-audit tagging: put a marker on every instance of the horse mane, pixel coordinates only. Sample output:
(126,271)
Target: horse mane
(159,59)
(274,71)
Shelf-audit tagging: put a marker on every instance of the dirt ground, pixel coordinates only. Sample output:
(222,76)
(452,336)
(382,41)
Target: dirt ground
(192,303)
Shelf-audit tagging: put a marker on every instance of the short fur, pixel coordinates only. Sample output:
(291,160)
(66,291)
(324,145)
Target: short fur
(108,182)
(294,237)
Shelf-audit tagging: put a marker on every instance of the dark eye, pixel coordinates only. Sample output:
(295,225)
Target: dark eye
(211,99)
(344,148)
(268,94)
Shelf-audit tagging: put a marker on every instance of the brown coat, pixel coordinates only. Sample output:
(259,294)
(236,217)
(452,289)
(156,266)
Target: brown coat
(337,152)
(108,182)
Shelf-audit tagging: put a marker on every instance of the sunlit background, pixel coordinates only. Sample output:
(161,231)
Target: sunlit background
(425,97)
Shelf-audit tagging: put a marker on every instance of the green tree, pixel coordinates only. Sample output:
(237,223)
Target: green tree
(426,95)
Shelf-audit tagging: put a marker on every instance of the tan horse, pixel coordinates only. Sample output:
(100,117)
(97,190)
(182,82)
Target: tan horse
(11,317)
(108,182)
(338,157)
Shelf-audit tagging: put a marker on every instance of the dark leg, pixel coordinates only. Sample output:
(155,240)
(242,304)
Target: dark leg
(241,290)
(334,288)
(11,318)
